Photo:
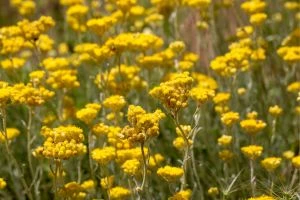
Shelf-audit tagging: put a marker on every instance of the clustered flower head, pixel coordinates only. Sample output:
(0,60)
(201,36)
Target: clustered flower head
(229,118)
(2,183)
(142,125)
(271,163)
(62,142)
(29,95)
(252,152)
(262,197)
(104,155)
(114,103)
(182,195)
(11,133)
(131,167)
(169,173)
(174,93)
(74,190)
(89,113)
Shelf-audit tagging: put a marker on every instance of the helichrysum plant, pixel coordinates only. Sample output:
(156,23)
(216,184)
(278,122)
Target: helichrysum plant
(157,99)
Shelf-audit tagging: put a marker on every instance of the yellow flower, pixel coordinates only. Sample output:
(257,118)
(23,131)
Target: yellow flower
(12,63)
(252,126)
(62,142)
(169,173)
(296,162)
(182,195)
(177,46)
(72,190)
(119,193)
(174,93)
(179,143)
(114,102)
(29,95)
(131,167)
(258,18)
(221,98)
(155,160)
(226,155)
(253,6)
(213,191)
(37,76)
(105,155)
(275,111)
(2,183)
(262,197)
(294,87)
(288,155)
(271,163)
(107,182)
(143,125)
(229,118)
(89,113)
(225,140)
(61,79)
(241,91)
(11,134)
(185,128)
(202,95)
(100,129)
(244,32)
(252,151)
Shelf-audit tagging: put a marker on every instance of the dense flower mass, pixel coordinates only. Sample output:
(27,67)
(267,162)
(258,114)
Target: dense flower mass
(158,99)
(62,142)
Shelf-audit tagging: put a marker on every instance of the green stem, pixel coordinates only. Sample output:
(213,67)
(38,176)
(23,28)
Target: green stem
(29,124)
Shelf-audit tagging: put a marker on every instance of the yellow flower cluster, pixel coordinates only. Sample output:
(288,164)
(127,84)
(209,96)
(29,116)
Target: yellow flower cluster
(114,103)
(255,9)
(89,113)
(182,195)
(226,155)
(174,93)
(252,152)
(225,140)
(229,118)
(104,155)
(53,64)
(70,2)
(252,126)
(11,133)
(63,79)
(169,173)
(29,95)
(25,7)
(221,100)
(5,93)
(74,190)
(37,76)
(289,53)
(131,167)
(44,43)
(32,30)
(119,193)
(134,42)
(201,95)
(236,59)
(75,17)
(120,80)
(12,63)
(62,142)
(275,111)
(296,162)
(271,163)
(213,191)
(294,87)
(262,197)
(2,183)
(129,154)
(142,125)
(103,24)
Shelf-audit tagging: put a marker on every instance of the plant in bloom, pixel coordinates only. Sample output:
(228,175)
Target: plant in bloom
(271,163)
(170,173)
